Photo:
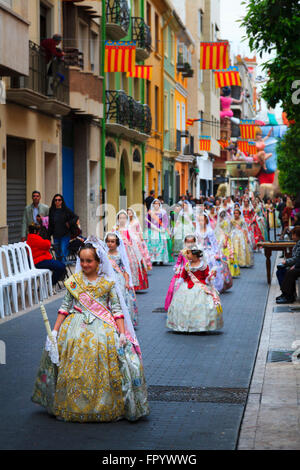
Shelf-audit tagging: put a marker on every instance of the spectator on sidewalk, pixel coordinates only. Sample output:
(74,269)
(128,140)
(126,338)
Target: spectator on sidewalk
(60,220)
(42,257)
(289,271)
(33,213)
(149,199)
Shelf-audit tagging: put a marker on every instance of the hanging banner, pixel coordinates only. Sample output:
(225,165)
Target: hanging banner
(119,56)
(141,71)
(247,146)
(190,122)
(247,129)
(228,77)
(205,143)
(214,55)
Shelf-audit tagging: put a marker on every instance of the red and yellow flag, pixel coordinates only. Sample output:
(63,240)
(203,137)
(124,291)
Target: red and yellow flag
(229,77)
(214,55)
(141,71)
(119,56)
(248,129)
(246,146)
(205,143)
(190,122)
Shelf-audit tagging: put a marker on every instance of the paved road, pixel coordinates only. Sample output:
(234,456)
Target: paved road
(197,383)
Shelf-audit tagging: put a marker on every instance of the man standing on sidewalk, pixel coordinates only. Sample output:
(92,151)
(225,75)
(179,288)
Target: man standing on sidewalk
(32,213)
(289,272)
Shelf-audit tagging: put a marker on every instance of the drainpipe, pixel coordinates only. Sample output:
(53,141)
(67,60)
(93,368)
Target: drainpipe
(103,133)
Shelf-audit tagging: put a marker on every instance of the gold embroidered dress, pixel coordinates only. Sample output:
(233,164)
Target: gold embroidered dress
(95,380)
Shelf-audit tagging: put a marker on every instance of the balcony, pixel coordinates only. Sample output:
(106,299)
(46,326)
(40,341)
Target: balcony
(126,116)
(37,90)
(73,57)
(184,61)
(117,19)
(142,35)
(242,169)
(86,97)
(14,36)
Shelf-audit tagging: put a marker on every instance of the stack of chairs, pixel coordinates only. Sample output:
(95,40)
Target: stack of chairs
(19,276)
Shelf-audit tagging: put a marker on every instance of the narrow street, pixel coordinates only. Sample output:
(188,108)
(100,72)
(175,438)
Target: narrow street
(197,383)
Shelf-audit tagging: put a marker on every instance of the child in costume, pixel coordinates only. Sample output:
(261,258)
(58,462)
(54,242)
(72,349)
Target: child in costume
(98,373)
(196,305)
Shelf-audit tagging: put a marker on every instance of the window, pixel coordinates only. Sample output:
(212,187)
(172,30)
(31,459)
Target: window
(200,75)
(136,156)
(200,123)
(45,21)
(148,92)
(166,42)
(200,22)
(149,15)
(83,42)
(156,32)
(110,150)
(172,46)
(94,52)
(166,112)
(136,89)
(156,107)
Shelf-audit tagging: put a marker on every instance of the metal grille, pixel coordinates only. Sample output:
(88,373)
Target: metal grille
(141,33)
(117,12)
(280,355)
(197,394)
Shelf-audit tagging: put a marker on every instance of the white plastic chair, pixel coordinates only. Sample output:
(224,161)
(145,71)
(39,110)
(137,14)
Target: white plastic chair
(43,274)
(7,277)
(5,304)
(18,273)
(26,271)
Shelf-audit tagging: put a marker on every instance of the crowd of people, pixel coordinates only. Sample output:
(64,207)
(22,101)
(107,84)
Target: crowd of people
(91,368)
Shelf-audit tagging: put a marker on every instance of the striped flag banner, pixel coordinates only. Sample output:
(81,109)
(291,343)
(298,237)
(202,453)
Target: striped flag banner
(229,77)
(190,122)
(205,143)
(141,71)
(247,129)
(214,55)
(119,56)
(223,143)
(247,146)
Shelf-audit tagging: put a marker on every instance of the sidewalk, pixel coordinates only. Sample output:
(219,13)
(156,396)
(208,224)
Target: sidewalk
(272,415)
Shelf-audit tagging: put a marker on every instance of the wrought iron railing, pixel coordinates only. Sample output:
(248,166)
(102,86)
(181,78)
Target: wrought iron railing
(123,109)
(141,33)
(39,76)
(73,57)
(117,12)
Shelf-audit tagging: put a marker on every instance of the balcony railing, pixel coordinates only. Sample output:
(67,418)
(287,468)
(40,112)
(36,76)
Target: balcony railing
(141,34)
(117,13)
(184,61)
(73,57)
(124,110)
(38,79)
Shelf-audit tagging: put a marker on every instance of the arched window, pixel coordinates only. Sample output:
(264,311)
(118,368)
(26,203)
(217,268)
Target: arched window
(110,150)
(136,156)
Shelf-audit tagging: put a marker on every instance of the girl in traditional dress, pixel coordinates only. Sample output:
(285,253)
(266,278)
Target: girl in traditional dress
(189,240)
(240,240)
(184,224)
(196,305)
(138,270)
(118,257)
(213,216)
(99,373)
(207,240)
(158,235)
(250,219)
(136,233)
(222,233)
